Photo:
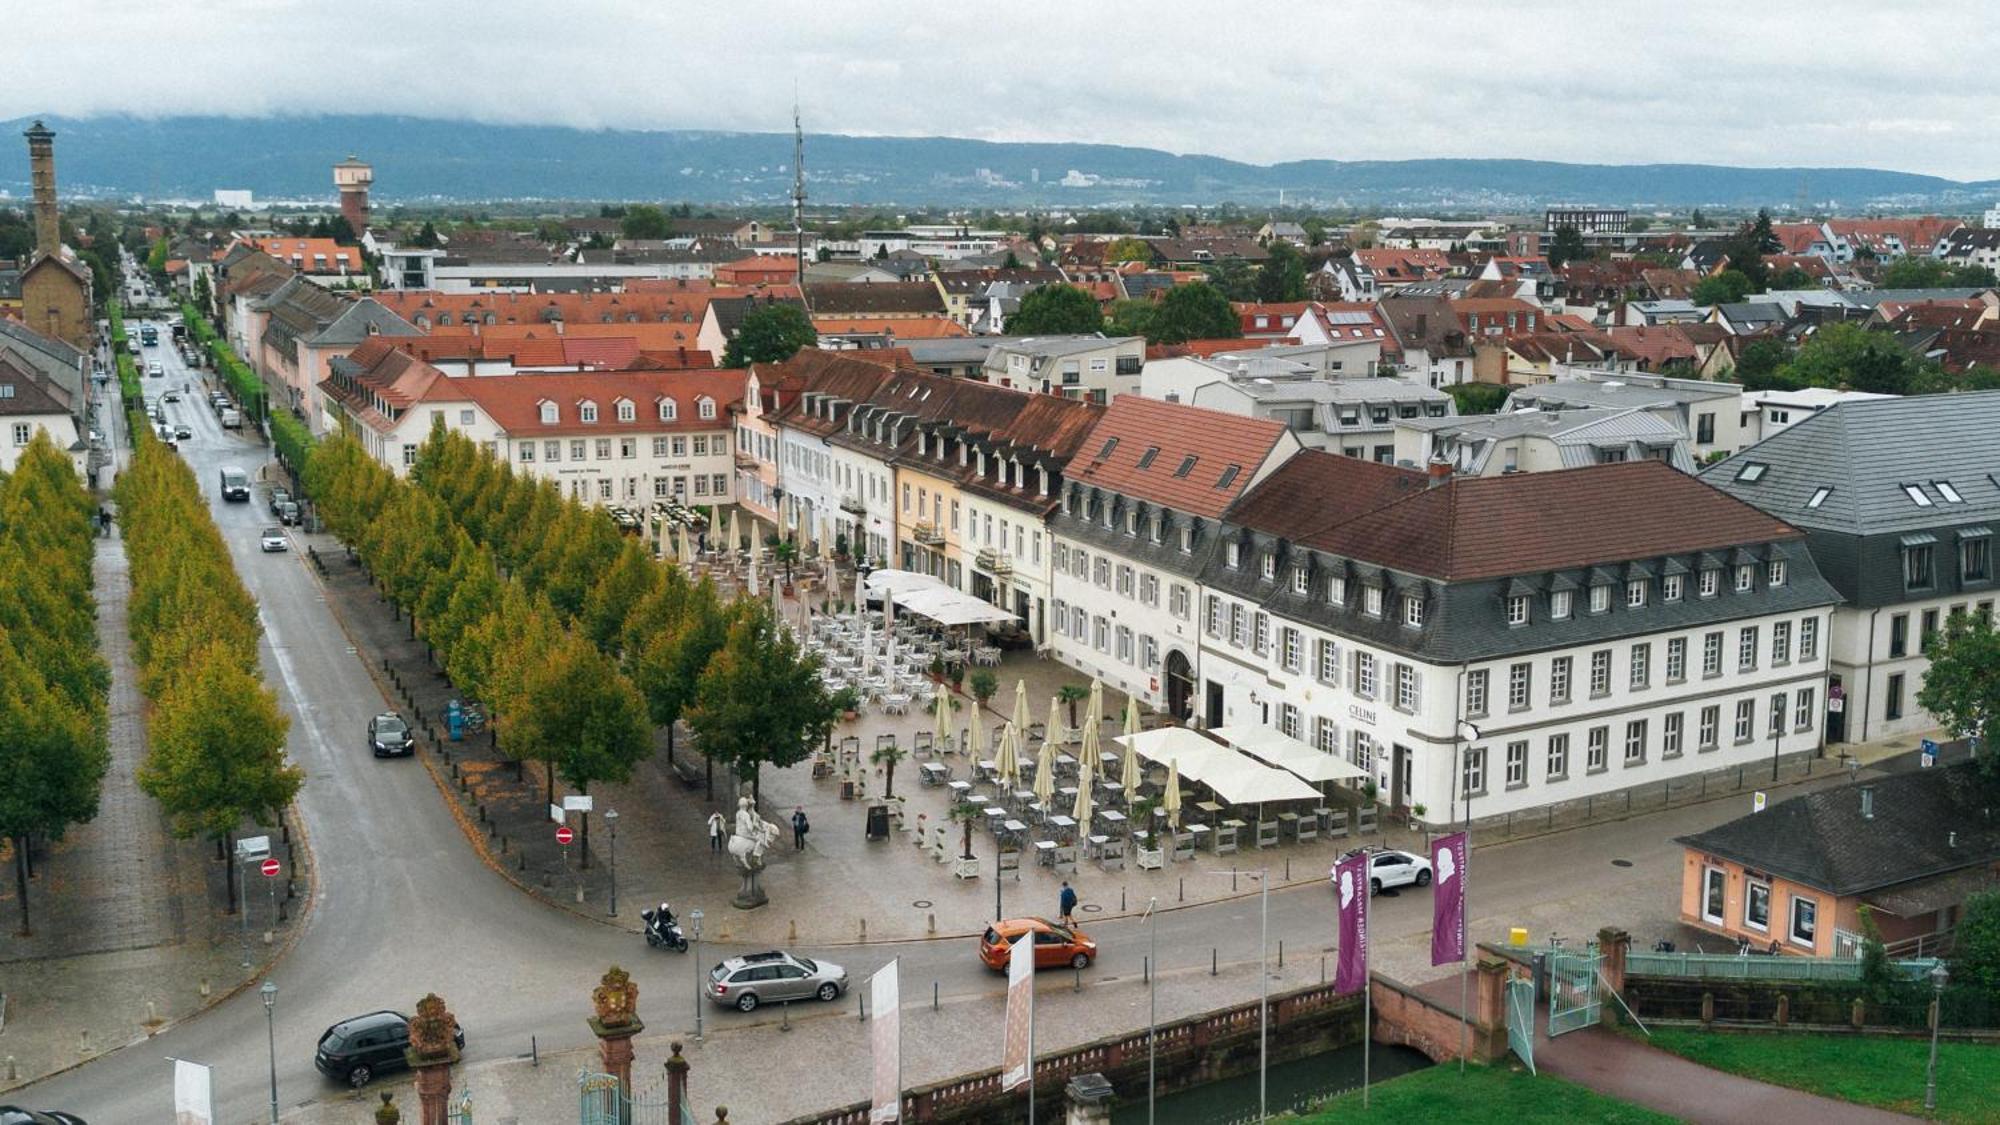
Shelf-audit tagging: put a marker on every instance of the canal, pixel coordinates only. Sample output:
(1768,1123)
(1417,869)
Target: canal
(1289,1086)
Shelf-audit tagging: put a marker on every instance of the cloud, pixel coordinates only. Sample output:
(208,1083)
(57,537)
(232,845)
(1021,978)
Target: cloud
(1830,82)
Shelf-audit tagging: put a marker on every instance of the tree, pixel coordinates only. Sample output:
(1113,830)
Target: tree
(631,576)
(770,333)
(1131,318)
(1567,247)
(1128,250)
(1725,288)
(427,238)
(1070,695)
(218,753)
(1747,247)
(1195,311)
(1931,273)
(667,669)
(886,756)
(1013,261)
(1234,278)
(1976,944)
(760,699)
(1758,363)
(53,758)
(1849,357)
(1877,978)
(1793,277)
(584,718)
(984,684)
(1056,310)
(644,221)
(1962,688)
(1315,229)
(1478,398)
(1282,277)
(1697,220)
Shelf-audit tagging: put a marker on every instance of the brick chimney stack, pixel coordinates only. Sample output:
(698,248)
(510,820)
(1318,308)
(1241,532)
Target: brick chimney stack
(42,161)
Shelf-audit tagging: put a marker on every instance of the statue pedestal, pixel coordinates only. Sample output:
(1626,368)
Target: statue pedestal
(614,1050)
(433,1085)
(750,895)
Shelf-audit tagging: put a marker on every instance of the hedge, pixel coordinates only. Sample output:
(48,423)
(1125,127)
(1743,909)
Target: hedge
(248,387)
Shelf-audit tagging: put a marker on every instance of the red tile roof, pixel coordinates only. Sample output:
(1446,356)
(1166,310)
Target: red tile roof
(1213,439)
(1315,491)
(514,402)
(1206,348)
(311,255)
(908,328)
(429,308)
(1472,528)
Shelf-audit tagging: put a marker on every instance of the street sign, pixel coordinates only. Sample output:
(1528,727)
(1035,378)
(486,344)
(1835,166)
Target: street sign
(556,814)
(1927,753)
(252,847)
(576,804)
(564,835)
(269,868)
(1757,801)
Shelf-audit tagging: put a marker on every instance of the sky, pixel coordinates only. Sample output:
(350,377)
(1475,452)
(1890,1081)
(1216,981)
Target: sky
(1878,83)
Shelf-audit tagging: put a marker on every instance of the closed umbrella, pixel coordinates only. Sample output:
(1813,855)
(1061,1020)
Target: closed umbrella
(942,733)
(1171,799)
(1008,762)
(1021,707)
(1129,777)
(1056,727)
(1045,777)
(975,739)
(731,545)
(1082,810)
(1131,715)
(1086,762)
(753,583)
(687,547)
(860,595)
(1095,709)
(889,627)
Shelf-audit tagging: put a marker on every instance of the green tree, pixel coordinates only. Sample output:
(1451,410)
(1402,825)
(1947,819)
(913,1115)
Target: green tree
(427,238)
(771,333)
(1282,277)
(644,221)
(1976,944)
(1315,229)
(1070,695)
(1566,247)
(1234,278)
(217,753)
(1056,310)
(582,716)
(1726,288)
(631,577)
(1131,318)
(1478,398)
(1196,311)
(1962,687)
(1847,356)
(1757,365)
(1915,272)
(1128,250)
(1747,247)
(53,757)
(667,669)
(760,699)
(1697,220)
(1793,277)
(1877,978)
(1013,261)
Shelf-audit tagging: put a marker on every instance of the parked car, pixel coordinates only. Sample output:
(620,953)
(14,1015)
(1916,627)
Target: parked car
(154,369)
(1388,867)
(354,1051)
(273,539)
(288,513)
(389,736)
(15,1115)
(1055,945)
(278,498)
(768,978)
(171,396)
(182,432)
(232,418)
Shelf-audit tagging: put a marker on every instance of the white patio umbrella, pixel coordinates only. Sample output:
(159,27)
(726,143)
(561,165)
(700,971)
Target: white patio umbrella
(733,540)
(1086,759)
(1131,715)
(975,739)
(1171,799)
(1045,778)
(1096,704)
(1129,776)
(860,596)
(687,547)
(1008,763)
(753,583)
(1021,708)
(1082,810)
(1056,727)
(942,733)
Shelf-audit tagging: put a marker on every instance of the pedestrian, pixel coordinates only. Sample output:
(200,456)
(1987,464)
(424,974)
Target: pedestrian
(1068,903)
(715,827)
(800,827)
(103,521)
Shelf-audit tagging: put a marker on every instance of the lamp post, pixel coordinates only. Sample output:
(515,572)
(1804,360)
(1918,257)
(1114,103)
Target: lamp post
(1938,976)
(270,994)
(694,917)
(1152,1005)
(611,818)
(1263,980)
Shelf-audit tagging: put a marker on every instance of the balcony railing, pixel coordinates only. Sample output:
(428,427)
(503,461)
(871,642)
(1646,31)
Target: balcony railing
(853,504)
(998,562)
(929,534)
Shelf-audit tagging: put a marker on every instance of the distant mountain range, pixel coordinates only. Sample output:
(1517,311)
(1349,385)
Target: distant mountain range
(424,160)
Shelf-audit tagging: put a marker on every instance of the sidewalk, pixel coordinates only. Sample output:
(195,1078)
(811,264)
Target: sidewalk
(1622,1067)
(129,922)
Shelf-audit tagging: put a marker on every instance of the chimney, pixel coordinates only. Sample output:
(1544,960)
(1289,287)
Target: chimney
(1868,802)
(42,163)
(1439,470)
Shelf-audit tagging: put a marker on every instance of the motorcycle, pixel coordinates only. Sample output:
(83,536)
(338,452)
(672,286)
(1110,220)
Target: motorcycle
(663,929)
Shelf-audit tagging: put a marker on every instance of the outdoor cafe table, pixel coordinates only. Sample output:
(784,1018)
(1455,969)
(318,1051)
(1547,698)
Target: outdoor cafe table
(1063,825)
(934,773)
(995,817)
(960,790)
(1114,818)
(1209,810)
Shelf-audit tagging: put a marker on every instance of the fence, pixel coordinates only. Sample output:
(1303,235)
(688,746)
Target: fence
(1651,797)
(1729,966)
(1903,1006)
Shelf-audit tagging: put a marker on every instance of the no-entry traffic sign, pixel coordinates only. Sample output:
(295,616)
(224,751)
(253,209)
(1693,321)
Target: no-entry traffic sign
(270,868)
(564,835)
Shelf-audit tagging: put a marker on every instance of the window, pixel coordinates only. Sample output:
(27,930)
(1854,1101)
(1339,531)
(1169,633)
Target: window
(1364,675)
(1751,472)
(1746,649)
(1474,771)
(681,449)
(1746,719)
(587,412)
(527,451)
(1714,894)
(1809,638)
(1635,742)
(1187,540)
(1899,634)
(1704,429)
(1757,904)
(659,447)
(1260,633)
(1475,692)
(627,447)
(1670,588)
(604,449)
(1517,609)
(1517,764)
(1781,642)
(701,450)
(1336,590)
(1559,669)
(1774,572)
(1362,753)
(1239,626)
(1288,648)
(1267,567)
(626,412)
(1975,559)
(1596,749)
(1290,722)
(1232,555)
(1635,593)
(1670,735)
(1805,920)
(1413,612)
(409,454)
(1677,659)
(1559,603)
(1917,495)
(1125,580)
(1329,662)
(1149,589)
(1102,573)
(1520,678)
(1371,600)
(548,414)
(1746,578)
(1600,599)
(1406,687)
(669,410)
(1642,659)
(1711,654)
(1711,727)
(1326,735)
(1558,757)
(1300,579)
(1917,567)
(1708,582)
(1949,491)
(1125,644)
(1214,617)
(1100,634)
(1178,601)
(705,407)
(1802,713)
(1819,496)
(1600,673)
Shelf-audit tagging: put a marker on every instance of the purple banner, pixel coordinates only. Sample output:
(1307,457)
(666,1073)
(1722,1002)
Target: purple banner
(1350,882)
(1449,855)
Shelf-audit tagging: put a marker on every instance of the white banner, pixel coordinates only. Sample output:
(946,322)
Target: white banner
(1017,1058)
(885,999)
(192,1104)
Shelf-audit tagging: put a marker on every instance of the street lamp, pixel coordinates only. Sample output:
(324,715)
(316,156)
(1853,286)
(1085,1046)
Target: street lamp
(1152,1004)
(1263,980)
(694,918)
(270,994)
(1938,976)
(611,818)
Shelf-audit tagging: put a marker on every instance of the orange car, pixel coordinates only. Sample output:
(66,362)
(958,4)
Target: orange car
(1055,946)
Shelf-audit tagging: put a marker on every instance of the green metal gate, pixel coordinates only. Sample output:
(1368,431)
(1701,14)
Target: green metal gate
(1521,1019)
(1573,994)
(601,1102)
(459,1110)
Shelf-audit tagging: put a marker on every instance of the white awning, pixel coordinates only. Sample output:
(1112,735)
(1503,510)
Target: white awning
(1235,777)
(1288,753)
(927,597)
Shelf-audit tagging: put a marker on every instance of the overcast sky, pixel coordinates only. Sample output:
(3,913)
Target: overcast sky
(1880,83)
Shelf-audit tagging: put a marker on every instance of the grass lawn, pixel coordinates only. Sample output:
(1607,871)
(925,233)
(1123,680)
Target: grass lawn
(1887,1073)
(1484,1093)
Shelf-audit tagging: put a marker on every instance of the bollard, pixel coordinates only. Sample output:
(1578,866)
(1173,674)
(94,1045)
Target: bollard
(864,931)
(1145,970)
(482,813)
(1322,968)
(786,1012)
(930,922)
(1183,888)
(1121,900)
(204,990)
(1281,953)
(1211,961)
(284,911)
(792,931)
(860,1007)
(520,861)
(503,845)
(13,1071)
(534,1052)
(152,1013)
(1232,882)
(934,996)
(1288,869)
(83,1044)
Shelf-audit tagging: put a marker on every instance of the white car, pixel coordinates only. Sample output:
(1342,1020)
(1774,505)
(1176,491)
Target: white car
(1390,868)
(274,540)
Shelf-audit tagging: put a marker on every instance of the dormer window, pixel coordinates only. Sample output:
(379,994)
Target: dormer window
(705,407)
(1600,598)
(1159,527)
(626,411)
(1413,611)
(587,412)
(1300,578)
(1268,568)
(1635,593)
(1774,573)
(1517,609)
(1232,555)
(550,414)
(1559,603)
(1709,582)
(1336,590)
(1187,540)
(1132,521)
(669,410)
(1746,578)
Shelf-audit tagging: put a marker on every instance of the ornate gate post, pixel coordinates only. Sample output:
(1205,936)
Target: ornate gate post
(431,1053)
(616,1000)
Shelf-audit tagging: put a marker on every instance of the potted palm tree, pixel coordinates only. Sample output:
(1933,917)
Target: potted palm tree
(966,866)
(1071,695)
(886,756)
(984,686)
(785,553)
(848,701)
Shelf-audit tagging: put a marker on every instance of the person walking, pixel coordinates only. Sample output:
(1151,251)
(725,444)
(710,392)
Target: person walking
(715,827)
(800,826)
(1068,904)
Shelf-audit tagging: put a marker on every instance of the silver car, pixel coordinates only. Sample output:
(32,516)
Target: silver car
(768,978)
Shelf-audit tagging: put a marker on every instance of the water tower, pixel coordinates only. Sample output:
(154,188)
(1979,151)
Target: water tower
(352,179)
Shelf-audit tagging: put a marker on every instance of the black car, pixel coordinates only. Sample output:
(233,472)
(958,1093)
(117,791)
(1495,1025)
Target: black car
(389,736)
(355,1051)
(15,1115)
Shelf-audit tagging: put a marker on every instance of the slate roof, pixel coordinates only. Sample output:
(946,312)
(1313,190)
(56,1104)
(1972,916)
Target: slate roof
(362,319)
(1132,425)
(28,391)
(1865,452)
(1821,839)
(875,298)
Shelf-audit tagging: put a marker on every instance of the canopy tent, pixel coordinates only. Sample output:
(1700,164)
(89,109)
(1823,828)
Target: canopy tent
(1288,753)
(927,597)
(1235,777)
